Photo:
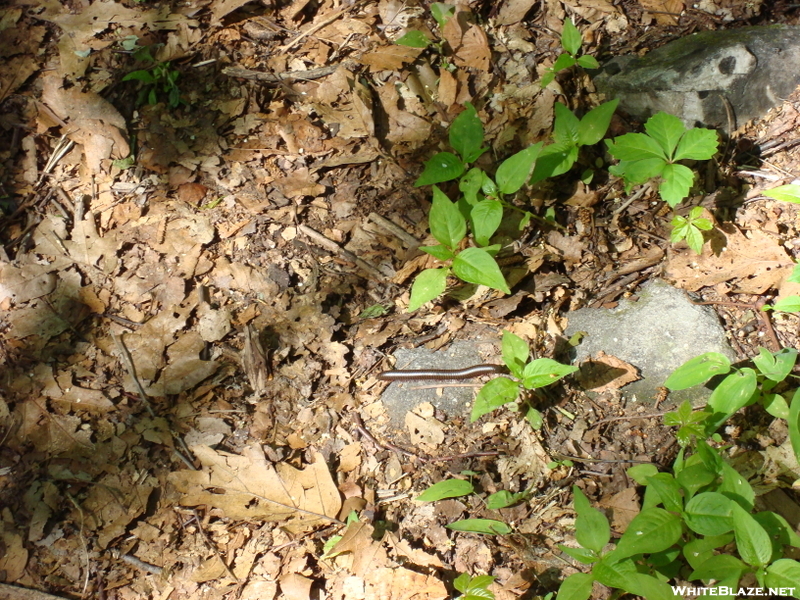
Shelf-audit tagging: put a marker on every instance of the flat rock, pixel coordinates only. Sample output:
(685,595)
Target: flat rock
(656,334)
(452,398)
(717,79)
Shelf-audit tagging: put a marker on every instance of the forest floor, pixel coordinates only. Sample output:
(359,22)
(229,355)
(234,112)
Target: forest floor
(189,340)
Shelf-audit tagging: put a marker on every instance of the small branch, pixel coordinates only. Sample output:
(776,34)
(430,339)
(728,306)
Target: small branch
(335,248)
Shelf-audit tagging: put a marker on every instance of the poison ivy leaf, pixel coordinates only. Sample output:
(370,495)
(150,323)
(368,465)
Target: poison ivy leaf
(447,223)
(475,265)
(443,166)
(638,171)
(449,488)
(466,134)
(429,284)
(493,395)
(413,39)
(697,144)
(487,526)
(698,370)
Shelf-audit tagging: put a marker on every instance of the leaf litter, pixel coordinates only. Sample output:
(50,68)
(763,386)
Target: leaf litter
(181,356)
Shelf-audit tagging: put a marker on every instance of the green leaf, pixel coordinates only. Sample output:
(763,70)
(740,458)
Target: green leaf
(641,473)
(732,394)
(694,238)
(699,550)
(694,477)
(485,216)
(544,371)
(449,488)
(752,540)
(794,423)
(549,75)
(487,526)
(591,526)
(635,147)
(710,513)
(413,39)
(668,490)
(665,129)
(443,166)
(429,284)
(447,223)
(698,370)
(736,487)
(677,181)
(492,395)
(442,12)
(513,172)
(594,124)
(583,555)
(466,134)
(588,62)
(775,405)
(789,304)
(652,530)
(564,61)
(724,568)
(779,530)
(697,144)
(784,573)
(144,76)
(554,160)
(577,586)
(534,418)
(638,171)
(787,193)
(565,128)
(470,184)
(476,265)
(775,366)
(515,353)
(504,499)
(612,571)
(570,37)
(795,276)
(441,252)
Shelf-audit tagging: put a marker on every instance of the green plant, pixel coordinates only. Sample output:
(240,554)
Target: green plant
(571,42)
(744,387)
(480,204)
(690,229)
(787,193)
(416,39)
(474,588)
(160,78)
(694,524)
(569,134)
(529,375)
(644,156)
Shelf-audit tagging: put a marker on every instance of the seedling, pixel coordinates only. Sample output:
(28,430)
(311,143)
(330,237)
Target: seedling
(658,152)
(743,387)
(571,42)
(474,588)
(160,78)
(529,375)
(695,524)
(441,13)
(691,229)
(569,134)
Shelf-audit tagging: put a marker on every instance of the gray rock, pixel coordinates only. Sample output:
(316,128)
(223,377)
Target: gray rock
(452,400)
(751,70)
(656,334)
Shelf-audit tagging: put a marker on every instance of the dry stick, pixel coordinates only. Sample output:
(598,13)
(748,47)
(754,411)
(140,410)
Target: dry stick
(319,26)
(213,547)
(12,592)
(278,78)
(395,229)
(424,459)
(335,248)
(140,564)
(83,545)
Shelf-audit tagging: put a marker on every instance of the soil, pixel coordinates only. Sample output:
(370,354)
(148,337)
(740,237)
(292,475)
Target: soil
(190,339)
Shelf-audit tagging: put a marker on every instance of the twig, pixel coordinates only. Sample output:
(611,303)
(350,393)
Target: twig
(140,564)
(278,78)
(335,248)
(318,26)
(128,362)
(12,592)
(213,547)
(83,545)
(755,306)
(395,229)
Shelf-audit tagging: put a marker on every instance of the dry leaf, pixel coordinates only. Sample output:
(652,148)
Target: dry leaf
(666,12)
(603,373)
(390,58)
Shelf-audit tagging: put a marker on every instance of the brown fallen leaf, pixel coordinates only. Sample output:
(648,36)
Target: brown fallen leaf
(603,373)
(753,263)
